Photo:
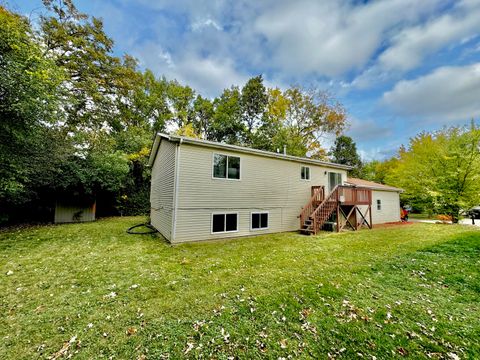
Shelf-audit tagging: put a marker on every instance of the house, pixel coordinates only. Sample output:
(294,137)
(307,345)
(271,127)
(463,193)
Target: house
(205,190)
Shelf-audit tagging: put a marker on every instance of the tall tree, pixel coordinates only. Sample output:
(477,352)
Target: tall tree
(181,99)
(203,116)
(227,124)
(442,168)
(379,171)
(253,103)
(344,151)
(311,115)
(28,100)
(79,46)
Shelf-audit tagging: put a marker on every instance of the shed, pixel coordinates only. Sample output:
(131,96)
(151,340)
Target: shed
(74,210)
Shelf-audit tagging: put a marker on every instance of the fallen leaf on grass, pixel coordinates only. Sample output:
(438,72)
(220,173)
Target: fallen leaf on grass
(64,350)
(61,352)
(189,348)
(111,295)
(261,346)
(283,343)
(453,356)
(131,331)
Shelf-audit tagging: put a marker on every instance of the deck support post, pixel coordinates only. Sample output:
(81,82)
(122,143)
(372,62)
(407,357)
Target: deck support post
(338,217)
(355,208)
(370,215)
(347,219)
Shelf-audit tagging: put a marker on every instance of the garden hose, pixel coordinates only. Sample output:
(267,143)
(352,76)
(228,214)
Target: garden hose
(151,229)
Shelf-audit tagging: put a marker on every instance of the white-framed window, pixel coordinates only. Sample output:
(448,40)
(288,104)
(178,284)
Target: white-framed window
(224,222)
(305,173)
(226,167)
(259,220)
(379,204)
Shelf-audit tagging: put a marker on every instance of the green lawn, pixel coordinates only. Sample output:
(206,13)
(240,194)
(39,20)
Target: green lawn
(92,291)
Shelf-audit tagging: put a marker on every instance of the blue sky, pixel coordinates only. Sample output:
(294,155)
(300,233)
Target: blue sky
(398,66)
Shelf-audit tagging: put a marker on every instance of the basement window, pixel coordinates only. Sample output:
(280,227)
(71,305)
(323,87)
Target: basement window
(226,167)
(305,173)
(222,223)
(379,204)
(259,220)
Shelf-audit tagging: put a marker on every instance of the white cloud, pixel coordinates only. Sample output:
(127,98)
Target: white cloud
(447,94)
(411,45)
(367,130)
(196,26)
(332,37)
(209,75)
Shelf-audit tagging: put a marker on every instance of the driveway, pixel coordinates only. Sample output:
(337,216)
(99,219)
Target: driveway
(469,222)
(462,221)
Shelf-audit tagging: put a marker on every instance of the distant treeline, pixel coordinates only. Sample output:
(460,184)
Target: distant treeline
(77,121)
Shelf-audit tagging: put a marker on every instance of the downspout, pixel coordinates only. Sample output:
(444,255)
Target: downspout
(176,186)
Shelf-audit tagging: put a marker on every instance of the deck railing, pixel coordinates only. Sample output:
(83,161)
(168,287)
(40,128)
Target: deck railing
(320,207)
(349,195)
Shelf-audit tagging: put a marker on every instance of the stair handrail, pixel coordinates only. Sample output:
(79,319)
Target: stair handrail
(308,208)
(313,215)
(335,190)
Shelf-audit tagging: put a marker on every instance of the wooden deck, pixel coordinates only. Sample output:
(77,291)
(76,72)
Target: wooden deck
(344,201)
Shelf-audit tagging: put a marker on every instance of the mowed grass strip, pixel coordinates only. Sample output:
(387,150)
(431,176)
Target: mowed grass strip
(93,291)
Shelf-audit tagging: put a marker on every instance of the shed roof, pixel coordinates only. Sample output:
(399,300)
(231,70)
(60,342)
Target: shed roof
(372,185)
(236,148)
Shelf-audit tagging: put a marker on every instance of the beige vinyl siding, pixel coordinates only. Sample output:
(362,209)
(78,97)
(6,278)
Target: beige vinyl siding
(195,224)
(265,184)
(163,189)
(390,211)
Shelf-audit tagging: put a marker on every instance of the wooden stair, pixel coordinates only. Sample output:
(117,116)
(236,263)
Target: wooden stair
(320,214)
(319,209)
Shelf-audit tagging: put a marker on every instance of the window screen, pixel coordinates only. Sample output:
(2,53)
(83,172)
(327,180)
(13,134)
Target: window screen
(224,222)
(259,221)
(233,167)
(220,166)
(231,223)
(218,223)
(305,173)
(226,167)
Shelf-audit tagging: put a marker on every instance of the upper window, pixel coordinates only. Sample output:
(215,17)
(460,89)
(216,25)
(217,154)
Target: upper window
(379,204)
(259,220)
(226,167)
(224,222)
(305,173)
